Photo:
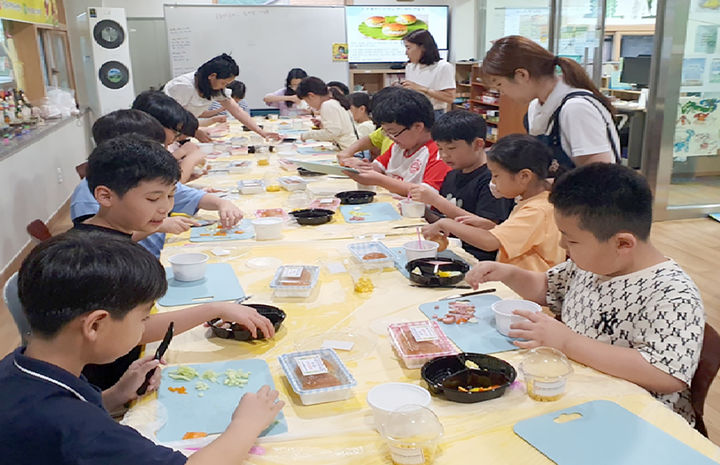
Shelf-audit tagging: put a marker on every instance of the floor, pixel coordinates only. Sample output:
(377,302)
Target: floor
(694,244)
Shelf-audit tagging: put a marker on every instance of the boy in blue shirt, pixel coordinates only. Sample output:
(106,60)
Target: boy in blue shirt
(87,297)
(188,200)
(465,192)
(626,309)
(134,182)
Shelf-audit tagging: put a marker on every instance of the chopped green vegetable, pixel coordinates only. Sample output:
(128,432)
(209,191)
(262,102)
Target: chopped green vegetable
(201,386)
(184,373)
(237,378)
(210,376)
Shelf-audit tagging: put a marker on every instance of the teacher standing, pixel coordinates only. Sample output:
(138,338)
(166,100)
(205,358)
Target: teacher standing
(196,91)
(426,72)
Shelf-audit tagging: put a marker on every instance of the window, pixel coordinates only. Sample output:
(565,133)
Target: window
(54,55)
(7,77)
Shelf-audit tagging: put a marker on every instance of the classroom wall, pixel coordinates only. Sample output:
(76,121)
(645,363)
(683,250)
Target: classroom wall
(31,187)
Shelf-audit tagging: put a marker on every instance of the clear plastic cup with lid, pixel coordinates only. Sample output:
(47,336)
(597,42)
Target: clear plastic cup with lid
(412,433)
(545,371)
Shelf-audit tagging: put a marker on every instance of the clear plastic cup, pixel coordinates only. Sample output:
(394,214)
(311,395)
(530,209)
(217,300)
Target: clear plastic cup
(412,434)
(545,371)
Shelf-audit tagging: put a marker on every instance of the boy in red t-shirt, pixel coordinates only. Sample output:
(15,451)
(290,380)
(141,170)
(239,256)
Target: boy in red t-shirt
(406,117)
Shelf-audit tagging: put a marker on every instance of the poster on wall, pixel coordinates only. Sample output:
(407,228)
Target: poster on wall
(706,39)
(30,11)
(693,70)
(697,129)
(528,22)
(715,71)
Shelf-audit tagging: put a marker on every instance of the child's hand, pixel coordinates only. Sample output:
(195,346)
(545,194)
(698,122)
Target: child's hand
(176,224)
(423,193)
(476,221)
(202,136)
(435,229)
(218,119)
(485,272)
(357,163)
(316,122)
(368,177)
(229,213)
(125,389)
(247,317)
(257,410)
(540,329)
(270,135)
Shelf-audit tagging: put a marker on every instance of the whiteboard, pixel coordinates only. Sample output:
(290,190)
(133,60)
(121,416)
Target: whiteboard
(265,41)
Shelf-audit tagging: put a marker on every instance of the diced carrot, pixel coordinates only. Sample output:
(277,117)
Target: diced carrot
(194,435)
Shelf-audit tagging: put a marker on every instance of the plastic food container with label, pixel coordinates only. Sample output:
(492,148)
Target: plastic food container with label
(292,183)
(251,186)
(317,376)
(545,371)
(419,341)
(372,255)
(295,280)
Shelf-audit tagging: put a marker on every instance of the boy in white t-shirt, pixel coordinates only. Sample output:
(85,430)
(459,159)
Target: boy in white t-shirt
(626,309)
(406,117)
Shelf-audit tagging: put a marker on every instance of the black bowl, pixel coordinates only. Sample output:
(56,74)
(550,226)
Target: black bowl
(355,197)
(303,172)
(430,279)
(240,333)
(443,375)
(312,216)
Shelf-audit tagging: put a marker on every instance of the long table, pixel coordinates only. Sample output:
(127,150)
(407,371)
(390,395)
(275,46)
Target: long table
(343,432)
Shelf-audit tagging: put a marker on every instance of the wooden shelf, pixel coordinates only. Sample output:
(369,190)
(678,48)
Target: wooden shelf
(460,84)
(480,102)
(510,119)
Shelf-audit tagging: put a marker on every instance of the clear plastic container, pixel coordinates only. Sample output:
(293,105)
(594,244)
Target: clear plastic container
(251,186)
(292,183)
(295,280)
(412,434)
(240,166)
(545,371)
(317,376)
(419,341)
(372,255)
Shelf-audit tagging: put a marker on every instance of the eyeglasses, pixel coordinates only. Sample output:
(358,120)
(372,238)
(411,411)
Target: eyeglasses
(393,136)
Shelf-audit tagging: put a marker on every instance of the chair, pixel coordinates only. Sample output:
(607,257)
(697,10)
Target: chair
(82,169)
(705,375)
(12,300)
(39,230)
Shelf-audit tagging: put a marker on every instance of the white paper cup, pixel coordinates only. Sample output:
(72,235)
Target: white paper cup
(412,209)
(504,316)
(267,229)
(423,249)
(189,266)
(386,398)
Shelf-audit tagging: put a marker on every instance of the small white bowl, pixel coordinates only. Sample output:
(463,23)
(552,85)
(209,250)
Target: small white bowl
(504,316)
(267,229)
(386,398)
(206,147)
(189,266)
(412,209)
(425,249)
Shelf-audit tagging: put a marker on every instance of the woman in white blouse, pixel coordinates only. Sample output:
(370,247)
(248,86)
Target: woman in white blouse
(426,72)
(196,92)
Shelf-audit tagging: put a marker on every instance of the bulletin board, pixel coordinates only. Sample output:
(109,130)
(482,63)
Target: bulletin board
(265,41)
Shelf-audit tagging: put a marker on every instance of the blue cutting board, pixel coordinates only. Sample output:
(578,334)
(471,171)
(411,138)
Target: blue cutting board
(400,259)
(373,212)
(715,216)
(605,434)
(248,232)
(481,337)
(219,284)
(211,413)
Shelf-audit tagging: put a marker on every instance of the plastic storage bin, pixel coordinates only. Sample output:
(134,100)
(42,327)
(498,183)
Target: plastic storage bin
(295,280)
(317,376)
(419,341)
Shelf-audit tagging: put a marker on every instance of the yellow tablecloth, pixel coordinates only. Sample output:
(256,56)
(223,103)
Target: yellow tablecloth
(343,432)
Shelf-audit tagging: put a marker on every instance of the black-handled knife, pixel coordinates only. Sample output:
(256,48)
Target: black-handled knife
(158,355)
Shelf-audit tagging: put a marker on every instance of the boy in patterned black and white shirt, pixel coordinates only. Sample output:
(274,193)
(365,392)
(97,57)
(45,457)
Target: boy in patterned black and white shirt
(626,309)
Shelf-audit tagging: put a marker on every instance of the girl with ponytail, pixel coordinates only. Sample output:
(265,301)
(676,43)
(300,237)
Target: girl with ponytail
(336,122)
(567,111)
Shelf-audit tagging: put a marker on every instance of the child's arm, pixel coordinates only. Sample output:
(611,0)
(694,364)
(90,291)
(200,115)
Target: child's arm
(253,414)
(373,177)
(229,213)
(424,194)
(188,318)
(126,388)
(479,237)
(530,285)
(623,362)
(272,98)
(359,145)
(331,124)
(210,113)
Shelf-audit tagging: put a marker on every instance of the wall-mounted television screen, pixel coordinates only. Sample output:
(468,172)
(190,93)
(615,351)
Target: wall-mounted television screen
(375,33)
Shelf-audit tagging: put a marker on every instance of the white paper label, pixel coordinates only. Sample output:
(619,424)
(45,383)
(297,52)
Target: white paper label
(549,388)
(423,333)
(338,345)
(407,456)
(311,365)
(326,201)
(292,272)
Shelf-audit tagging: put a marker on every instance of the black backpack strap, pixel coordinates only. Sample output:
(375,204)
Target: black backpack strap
(555,119)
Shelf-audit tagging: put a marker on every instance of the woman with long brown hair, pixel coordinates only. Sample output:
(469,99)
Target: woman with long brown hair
(566,111)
